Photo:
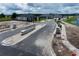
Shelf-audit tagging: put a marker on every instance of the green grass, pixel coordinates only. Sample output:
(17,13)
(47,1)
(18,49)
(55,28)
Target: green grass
(39,20)
(70,20)
(42,19)
(5,19)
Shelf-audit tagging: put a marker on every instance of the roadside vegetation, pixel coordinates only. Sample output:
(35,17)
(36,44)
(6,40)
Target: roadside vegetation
(39,20)
(70,19)
(42,20)
(4,17)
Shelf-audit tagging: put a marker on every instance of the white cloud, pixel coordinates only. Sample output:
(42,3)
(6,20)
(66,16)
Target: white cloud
(38,8)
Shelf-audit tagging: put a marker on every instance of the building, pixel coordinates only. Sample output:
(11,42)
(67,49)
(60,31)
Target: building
(46,16)
(25,17)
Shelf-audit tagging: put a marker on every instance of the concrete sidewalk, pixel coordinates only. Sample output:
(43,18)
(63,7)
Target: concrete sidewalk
(66,42)
(18,38)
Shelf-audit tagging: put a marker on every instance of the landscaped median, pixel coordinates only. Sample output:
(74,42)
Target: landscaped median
(18,38)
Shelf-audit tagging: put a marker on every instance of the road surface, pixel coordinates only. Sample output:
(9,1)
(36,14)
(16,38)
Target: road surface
(36,44)
(9,33)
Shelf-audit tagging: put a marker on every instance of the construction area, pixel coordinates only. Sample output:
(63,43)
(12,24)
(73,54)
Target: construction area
(64,42)
(8,25)
(61,43)
(72,34)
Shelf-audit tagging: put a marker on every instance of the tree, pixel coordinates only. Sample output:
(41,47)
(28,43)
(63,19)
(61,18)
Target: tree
(37,16)
(2,15)
(14,15)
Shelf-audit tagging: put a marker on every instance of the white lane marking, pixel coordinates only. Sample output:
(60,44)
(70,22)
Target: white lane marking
(13,40)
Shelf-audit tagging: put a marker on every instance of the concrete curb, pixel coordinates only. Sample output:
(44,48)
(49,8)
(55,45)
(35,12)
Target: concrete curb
(67,43)
(51,49)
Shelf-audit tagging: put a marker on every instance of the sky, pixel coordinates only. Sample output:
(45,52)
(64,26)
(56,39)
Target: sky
(44,8)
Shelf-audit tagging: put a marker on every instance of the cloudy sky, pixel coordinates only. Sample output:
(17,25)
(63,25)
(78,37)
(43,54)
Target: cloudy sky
(9,8)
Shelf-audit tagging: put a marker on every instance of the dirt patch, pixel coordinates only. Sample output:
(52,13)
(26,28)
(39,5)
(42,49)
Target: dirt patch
(4,26)
(60,49)
(72,34)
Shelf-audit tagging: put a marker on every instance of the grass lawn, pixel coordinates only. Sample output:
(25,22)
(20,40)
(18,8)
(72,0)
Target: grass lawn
(70,20)
(40,20)
(5,19)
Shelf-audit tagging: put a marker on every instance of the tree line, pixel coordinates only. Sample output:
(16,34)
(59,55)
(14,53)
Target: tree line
(2,15)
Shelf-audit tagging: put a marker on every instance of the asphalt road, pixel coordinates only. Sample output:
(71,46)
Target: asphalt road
(35,45)
(9,33)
